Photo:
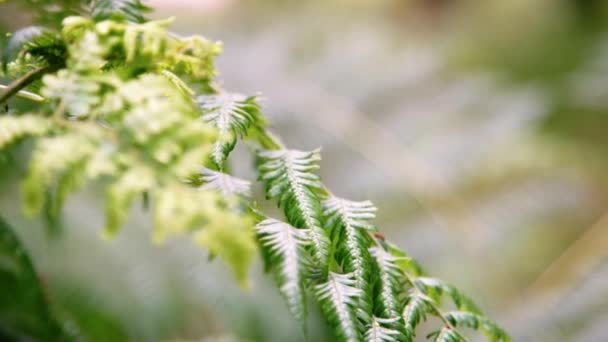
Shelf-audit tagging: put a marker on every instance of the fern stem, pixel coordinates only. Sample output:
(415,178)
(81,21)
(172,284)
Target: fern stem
(26,94)
(16,86)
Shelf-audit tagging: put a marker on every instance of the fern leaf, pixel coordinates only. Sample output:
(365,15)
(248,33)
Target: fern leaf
(378,332)
(348,221)
(435,288)
(146,41)
(119,195)
(289,177)
(414,312)
(389,282)
(78,94)
(339,298)
(37,41)
(177,82)
(477,322)
(194,56)
(232,115)
(51,159)
(447,334)
(285,245)
(129,10)
(14,128)
(229,236)
(224,183)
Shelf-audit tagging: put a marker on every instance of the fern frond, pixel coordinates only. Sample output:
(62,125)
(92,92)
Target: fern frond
(146,41)
(194,56)
(232,115)
(120,194)
(36,41)
(349,221)
(380,331)
(228,235)
(285,245)
(339,298)
(52,159)
(435,288)
(289,177)
(129,10)
(77,94)
(224,183)
(414,312)
(13,128)
(470,320)
(388,283)
(177,82)
(447,334)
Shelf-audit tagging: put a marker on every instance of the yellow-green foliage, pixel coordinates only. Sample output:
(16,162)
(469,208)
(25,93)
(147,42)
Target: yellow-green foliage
(133,105)
(120,110)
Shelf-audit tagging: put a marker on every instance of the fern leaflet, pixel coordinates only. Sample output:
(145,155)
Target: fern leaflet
(338,298)
(232,115)
(477,322)
(289,178)
(286,256)
(349,221)
(380,331)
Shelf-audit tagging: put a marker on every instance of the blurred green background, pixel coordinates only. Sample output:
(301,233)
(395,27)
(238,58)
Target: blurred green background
(478,127)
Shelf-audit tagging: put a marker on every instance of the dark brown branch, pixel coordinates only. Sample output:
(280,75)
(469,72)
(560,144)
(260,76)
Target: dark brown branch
(24,81)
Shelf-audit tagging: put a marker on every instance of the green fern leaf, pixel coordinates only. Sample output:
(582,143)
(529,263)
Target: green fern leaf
(349,221)
(470,320)
(285,245)
(380,331)
(129,10)
(388,283)
(435,288)
(38,42)
(289,177)
(232,115)
(119,195)
(77,94)
(339,298)
(27,314)
(414,312)
(225,184)
(13,128)
(447,334)
(229,236)
(53,158)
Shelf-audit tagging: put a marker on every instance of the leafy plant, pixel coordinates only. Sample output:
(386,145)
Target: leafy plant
(124,101)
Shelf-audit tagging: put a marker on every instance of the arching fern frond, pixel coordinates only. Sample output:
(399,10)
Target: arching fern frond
(224,183)
(37,42)
(339,298)
(414,312)
(477,322)
(388,284)
(436,287)
(120,194)
(289,177)
(380,331)
(52,159)
(124,105)
(349,222)
(129,10)
(13,128)
(286,257)
(447,334)
(232,115)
